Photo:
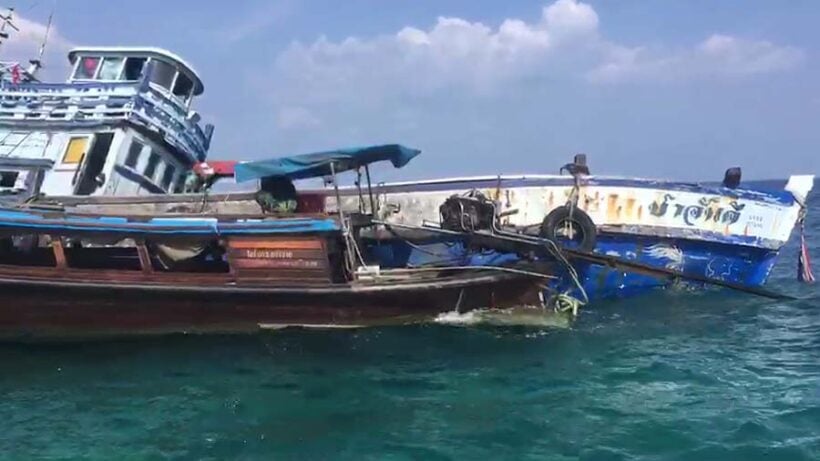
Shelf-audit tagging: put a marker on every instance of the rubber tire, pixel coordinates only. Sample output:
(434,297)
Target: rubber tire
(580,219)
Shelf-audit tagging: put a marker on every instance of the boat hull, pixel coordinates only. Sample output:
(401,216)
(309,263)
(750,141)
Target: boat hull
(42,309)
(730,235)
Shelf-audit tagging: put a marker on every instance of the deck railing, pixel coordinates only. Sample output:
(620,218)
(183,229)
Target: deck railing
(54,105)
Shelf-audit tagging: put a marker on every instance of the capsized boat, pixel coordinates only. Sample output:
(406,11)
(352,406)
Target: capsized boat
(725,232)
(67,274)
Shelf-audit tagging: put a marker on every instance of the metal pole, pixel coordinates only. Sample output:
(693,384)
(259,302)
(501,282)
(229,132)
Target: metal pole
(336,190)
(359,189)
(370,191)
(349,261)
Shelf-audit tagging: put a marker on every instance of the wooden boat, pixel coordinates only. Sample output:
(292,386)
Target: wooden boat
(64,274)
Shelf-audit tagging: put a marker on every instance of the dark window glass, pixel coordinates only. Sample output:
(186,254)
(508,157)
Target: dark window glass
(7,178)
(183,86)
(151,167)
(133,154)
(133,69)
(168,176)
(163,74)
(179,187)
(87,67)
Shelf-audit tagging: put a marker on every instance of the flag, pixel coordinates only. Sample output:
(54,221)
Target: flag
(15,74)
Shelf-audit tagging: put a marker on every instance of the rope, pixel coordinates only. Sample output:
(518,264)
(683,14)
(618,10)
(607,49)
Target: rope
(566,303)
(804,271)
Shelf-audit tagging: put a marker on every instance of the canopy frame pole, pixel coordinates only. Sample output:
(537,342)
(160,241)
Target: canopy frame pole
(359,188)
(370,191)
(336,191)
(349,258)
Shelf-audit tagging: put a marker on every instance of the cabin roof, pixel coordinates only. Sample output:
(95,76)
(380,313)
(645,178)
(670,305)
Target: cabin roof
(147,51)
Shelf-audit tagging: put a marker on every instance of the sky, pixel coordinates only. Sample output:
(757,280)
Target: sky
(674,89)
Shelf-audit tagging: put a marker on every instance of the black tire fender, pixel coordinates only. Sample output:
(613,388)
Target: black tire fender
(557,218)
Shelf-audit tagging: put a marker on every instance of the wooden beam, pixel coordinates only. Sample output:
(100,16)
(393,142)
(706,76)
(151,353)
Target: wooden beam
(145,258)
(59,252)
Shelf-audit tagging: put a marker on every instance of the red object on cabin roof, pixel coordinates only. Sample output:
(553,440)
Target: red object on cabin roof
(215,167)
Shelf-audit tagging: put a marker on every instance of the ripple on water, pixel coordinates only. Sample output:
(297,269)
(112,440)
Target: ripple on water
(670,376)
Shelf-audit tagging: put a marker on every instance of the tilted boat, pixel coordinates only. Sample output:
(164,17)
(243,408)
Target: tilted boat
(123,123)
(723,232)
(66,274)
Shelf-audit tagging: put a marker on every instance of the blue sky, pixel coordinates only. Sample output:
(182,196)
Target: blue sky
(676,89)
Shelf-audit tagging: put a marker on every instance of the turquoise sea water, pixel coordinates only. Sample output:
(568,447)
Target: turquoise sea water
(677,375)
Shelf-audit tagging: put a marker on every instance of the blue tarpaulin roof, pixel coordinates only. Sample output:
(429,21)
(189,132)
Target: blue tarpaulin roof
(318,164)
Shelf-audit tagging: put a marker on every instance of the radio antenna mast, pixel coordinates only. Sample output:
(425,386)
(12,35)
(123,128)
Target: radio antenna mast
(37,63)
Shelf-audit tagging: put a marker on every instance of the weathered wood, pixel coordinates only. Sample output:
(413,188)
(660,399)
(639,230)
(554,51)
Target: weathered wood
(59,253)
(37,307)
(145,258)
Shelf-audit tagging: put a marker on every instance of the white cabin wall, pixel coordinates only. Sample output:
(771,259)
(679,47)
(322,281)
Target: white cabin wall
(123,185)
(23,143)
(58,180)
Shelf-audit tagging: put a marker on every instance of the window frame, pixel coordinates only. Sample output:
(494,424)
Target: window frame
(4,140)
(186,97)
(168,185)
(119,71)
(155,167)
(173,77)
(134,142)
(64,166)
(77,66)
(145,61)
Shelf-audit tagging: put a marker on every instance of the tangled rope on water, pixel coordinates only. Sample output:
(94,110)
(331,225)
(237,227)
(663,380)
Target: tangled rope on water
(563,302)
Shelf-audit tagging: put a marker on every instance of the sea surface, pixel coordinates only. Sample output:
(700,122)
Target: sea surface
(676,375)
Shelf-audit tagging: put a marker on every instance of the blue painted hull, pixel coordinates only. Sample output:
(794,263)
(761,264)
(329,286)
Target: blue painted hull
(732,263)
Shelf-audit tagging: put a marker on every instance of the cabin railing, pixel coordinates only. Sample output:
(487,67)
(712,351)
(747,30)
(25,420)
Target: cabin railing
(99,103)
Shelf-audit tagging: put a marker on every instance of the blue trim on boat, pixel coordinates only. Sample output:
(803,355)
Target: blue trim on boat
(742,265)
(27,222)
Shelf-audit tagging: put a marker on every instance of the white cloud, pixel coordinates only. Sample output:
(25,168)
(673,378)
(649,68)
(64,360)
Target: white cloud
(295,117)
(719,56)
(455,54)
(24,45)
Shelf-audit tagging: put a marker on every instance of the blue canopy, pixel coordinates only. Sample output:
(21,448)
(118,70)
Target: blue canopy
(318,164)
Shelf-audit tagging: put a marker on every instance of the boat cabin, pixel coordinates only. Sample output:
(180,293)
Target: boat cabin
(122,124)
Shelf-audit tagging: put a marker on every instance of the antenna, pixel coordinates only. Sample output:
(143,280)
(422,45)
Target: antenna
(37,63)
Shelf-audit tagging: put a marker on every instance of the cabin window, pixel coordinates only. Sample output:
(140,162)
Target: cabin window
(163,74)
(8,178)
(151,167)
(133,69)
(183,86)
(134,152)
(87,68)
(14,138)
(76,149)
(179,186)
(168,176)
(110,69)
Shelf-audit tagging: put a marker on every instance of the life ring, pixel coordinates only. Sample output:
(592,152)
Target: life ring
(570,228)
